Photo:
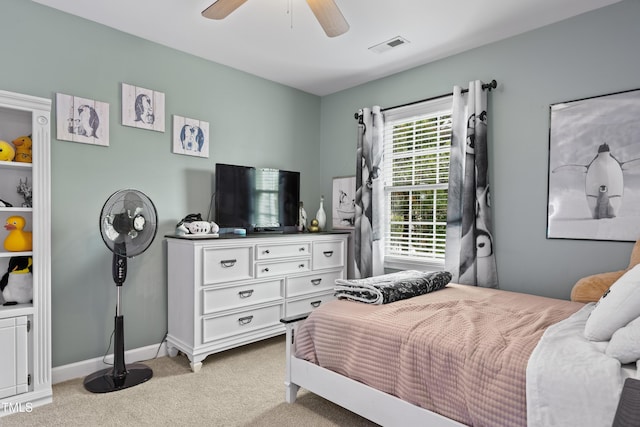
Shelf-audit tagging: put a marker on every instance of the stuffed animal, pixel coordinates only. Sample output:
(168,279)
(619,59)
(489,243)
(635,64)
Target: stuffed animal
(16,284)
(7,152)
(591,288)
(23,149)
(17,240)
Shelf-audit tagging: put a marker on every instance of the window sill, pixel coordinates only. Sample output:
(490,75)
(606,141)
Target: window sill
(409,264)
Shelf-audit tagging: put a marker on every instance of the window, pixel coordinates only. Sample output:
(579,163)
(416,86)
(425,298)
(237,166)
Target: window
(417,146)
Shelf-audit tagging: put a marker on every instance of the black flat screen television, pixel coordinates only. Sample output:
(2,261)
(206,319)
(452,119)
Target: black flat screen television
(256,199)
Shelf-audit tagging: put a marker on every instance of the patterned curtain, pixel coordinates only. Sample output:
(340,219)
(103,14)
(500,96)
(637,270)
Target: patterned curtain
(470,251)
(369,230)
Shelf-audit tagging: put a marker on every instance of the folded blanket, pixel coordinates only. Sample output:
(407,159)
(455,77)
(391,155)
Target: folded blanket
(391,287)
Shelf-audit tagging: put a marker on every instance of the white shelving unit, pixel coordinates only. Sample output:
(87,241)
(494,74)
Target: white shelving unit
(25,329)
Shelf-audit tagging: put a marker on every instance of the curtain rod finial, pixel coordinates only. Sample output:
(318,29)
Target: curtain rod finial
(492,85)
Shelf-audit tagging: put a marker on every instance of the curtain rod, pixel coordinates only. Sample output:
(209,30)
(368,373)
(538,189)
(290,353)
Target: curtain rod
(485,86)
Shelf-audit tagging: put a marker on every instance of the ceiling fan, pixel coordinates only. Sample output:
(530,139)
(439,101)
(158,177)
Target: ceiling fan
(326,11)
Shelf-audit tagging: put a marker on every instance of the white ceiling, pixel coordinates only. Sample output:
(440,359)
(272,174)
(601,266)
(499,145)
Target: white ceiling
(280,40)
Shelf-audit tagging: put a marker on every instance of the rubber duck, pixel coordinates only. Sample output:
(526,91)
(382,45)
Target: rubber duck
(23,149)
(7,152)
(17,240)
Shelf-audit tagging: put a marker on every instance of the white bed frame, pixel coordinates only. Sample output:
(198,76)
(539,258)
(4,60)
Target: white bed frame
(375,405)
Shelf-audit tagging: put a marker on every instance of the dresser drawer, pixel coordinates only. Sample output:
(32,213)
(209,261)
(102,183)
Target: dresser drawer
(217,299)
(302,306)
(312,283)
(268,269)
(328,254)
(214,328)
(270,251)
(227,264)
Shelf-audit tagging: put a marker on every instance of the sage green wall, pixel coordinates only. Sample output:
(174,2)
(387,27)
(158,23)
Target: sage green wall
(257,122)
(253,121)
(592,54)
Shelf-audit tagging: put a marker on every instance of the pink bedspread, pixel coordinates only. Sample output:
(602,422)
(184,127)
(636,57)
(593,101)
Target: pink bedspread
(461,351)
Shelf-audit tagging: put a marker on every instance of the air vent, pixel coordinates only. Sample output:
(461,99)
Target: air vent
(389,44)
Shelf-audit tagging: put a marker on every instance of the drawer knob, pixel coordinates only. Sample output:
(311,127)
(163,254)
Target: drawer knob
(316,282)
(245,294)
(226,263)
(245,320)
(301,266)
(328,253)
(301,249)
(266,251)
(315,304)
(265,270)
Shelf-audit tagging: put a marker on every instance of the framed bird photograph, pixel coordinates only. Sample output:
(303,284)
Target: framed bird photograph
(190,136)
(82,120)
(142,108)
(594,168)
(344,202)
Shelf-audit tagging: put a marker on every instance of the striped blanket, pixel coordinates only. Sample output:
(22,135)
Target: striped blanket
(391,287)
(461,352)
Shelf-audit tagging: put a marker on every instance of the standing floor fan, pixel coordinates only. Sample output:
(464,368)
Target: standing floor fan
(128,224)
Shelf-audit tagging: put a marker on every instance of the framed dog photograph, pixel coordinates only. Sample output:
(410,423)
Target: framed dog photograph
(190,136)
(594,168)
(82,120)
(344,202)
(142,108)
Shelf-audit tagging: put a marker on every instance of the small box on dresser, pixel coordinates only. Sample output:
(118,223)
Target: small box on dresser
(230,291)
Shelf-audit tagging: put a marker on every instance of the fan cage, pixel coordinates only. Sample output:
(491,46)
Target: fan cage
(122,207)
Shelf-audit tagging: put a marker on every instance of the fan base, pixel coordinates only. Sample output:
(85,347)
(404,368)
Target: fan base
(105,382)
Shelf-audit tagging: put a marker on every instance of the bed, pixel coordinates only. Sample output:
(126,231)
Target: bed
(457,356)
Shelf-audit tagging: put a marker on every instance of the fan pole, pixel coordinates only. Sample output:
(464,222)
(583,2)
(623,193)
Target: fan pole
(120,376)
(119,367)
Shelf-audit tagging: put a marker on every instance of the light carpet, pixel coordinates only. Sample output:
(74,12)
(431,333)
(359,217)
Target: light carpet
(238,387)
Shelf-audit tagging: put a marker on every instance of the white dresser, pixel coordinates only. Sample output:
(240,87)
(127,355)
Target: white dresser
(230,291)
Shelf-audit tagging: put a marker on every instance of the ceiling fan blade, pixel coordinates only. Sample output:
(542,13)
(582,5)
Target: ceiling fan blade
(221,8)
(329,16)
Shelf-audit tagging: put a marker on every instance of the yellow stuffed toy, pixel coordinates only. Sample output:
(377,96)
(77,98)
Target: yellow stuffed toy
(7,152)
(23,149)
(17,240)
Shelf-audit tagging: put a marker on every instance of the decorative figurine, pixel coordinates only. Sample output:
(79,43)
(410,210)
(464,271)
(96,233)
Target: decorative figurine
(24,189)
(314,228)
(302,218)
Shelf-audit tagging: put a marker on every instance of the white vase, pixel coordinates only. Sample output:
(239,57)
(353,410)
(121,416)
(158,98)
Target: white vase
(321,216)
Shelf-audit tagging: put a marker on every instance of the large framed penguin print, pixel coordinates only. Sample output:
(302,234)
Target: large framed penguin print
(594,168)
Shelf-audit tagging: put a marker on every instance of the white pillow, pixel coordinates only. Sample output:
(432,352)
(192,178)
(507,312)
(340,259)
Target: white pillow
(616,308)
(625,343)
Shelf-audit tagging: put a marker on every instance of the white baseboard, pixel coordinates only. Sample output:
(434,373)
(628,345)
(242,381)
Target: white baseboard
(83,368)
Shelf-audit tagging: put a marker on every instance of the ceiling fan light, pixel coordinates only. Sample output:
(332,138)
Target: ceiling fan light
(329,16)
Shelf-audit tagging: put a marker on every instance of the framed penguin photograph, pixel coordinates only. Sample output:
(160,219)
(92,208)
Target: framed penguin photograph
(82,120)
(594,168)
(190,136)
(142,108)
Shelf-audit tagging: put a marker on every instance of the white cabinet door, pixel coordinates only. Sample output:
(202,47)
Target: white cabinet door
(13,356)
